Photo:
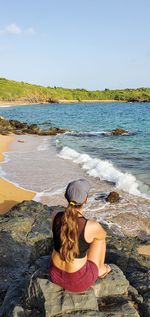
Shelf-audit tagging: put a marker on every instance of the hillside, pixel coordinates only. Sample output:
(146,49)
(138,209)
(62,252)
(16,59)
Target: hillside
(13,91)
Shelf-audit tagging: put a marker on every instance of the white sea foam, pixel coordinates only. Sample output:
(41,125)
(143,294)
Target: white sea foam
(104,170)
(44,146)
(38,196)
(2,173)
(48,193)
(87,133)
(6,106)
(95,133)
(6,158)
(4,176)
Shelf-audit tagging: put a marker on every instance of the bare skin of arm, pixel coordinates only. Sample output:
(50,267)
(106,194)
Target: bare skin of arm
(95,233)
(94,230)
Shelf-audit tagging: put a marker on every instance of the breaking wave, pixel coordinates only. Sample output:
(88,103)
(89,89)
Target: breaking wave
(95,133)
(104,170)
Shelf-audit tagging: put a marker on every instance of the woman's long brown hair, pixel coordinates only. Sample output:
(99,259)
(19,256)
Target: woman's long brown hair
(69,234)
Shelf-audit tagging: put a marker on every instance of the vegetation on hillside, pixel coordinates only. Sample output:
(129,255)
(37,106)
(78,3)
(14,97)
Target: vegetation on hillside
(11,90)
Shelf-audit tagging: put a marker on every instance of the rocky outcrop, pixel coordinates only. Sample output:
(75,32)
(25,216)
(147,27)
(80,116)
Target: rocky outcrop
(113,197)
(26,244)
(119,131)
(139,99)
(39,297)
(17,127)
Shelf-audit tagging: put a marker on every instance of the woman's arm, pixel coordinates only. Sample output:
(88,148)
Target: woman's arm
(94,231)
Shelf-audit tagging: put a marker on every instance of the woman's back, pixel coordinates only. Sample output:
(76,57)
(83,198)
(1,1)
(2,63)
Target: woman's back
(79,243)
(83,244)
(81,259)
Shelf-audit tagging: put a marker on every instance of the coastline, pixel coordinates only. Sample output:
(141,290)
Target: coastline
(10,194)
(19,103)
(60,101)
(89,101)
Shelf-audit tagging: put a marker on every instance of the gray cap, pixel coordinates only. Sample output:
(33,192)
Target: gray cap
(77,191)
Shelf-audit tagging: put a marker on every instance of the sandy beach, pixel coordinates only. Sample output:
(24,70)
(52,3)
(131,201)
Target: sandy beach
(60,101)
(51,192)
(10,194)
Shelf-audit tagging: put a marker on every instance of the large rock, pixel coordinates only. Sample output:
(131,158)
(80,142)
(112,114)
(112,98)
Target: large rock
(113,197)
(43,298)
(17,127)
(26,243)
(137,274)
(14,260)
(119,131)
(115,285)
(25,235)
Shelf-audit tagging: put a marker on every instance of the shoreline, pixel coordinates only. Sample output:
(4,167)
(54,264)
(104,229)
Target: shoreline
(10,194)
(61,101)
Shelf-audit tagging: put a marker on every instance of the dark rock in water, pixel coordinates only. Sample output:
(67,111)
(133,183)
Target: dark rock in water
(17,127)
(113,197)
(25,290)
(5,126)
(119,131)
(45,123)
(17,124)
(139,99)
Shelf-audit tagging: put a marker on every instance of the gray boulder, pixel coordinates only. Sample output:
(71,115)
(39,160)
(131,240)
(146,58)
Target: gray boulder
(25,290)
(25,235)
(40,297)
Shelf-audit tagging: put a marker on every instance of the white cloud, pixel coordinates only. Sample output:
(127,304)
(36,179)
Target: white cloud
(30,30)
(13,28)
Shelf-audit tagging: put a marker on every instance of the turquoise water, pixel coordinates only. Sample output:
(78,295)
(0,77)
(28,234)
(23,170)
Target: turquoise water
(88,125)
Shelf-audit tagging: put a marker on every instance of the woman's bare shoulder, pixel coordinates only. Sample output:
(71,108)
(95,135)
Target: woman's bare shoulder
(95,229)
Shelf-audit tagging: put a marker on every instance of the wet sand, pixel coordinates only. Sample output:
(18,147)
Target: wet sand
(10,194)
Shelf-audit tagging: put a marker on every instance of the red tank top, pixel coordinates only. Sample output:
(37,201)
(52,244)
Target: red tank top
(83,244)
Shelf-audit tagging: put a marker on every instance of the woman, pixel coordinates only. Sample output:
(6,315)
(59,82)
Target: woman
(79,244)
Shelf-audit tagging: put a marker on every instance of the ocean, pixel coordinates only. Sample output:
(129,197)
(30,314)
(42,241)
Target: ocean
(46,164)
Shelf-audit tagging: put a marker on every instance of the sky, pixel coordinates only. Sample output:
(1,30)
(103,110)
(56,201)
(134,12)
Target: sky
(91,44)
